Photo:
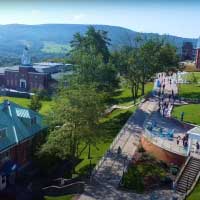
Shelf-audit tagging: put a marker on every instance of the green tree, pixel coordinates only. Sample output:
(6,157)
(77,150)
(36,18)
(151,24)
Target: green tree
(73,121)
(91,58)
(35,103)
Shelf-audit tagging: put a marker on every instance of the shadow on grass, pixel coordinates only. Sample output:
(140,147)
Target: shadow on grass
(113,125)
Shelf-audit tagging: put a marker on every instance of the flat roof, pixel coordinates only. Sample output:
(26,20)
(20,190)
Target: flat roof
(194,131)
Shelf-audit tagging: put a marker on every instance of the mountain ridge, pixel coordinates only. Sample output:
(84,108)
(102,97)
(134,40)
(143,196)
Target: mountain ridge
(52,40)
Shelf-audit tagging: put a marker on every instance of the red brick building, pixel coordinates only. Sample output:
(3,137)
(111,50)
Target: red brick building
(24,77)
(198,55)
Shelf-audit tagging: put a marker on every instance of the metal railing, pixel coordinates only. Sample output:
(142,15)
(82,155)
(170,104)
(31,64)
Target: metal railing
(165,144)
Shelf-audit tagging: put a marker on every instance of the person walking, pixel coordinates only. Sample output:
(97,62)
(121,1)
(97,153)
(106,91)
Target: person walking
(197,147)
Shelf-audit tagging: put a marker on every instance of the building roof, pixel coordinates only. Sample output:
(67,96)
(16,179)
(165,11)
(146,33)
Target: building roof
(17,121)
(195,131)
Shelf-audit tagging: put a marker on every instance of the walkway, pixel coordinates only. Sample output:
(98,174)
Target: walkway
(108,175)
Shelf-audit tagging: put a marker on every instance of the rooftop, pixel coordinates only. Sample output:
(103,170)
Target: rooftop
(16,122)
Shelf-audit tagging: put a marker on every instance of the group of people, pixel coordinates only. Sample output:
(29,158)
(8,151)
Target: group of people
(184,140)
(166,98)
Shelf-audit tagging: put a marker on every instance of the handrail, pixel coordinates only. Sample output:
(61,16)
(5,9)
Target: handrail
(182,169)
(194,184)
(163,144)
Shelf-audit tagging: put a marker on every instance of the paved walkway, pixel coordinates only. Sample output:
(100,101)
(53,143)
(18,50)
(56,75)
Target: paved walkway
(107,177)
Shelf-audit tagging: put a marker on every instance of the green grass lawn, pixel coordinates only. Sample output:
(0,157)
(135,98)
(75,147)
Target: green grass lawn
(65,197)
(195,195)
(189,91)
(53,47)
(192,113)
(110,125)
(25,103)
(124,96)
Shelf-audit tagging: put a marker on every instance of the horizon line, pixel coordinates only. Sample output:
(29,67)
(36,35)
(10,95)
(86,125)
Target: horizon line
(161,34)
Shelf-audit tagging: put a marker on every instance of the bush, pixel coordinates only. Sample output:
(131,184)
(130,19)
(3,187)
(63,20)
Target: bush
(132,179)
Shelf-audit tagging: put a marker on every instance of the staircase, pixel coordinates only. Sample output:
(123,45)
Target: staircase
(188,178)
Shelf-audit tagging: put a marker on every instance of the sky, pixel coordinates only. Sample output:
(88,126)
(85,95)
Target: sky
(174,17)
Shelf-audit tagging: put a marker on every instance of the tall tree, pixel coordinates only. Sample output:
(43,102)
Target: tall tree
(91,57)
(73,120)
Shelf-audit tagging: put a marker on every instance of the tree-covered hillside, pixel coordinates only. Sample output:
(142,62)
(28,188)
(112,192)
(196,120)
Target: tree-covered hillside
(52,40)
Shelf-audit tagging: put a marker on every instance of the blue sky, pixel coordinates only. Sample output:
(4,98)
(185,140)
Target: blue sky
(176,17)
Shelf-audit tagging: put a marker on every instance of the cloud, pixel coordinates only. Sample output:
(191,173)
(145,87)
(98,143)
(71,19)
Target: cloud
(35,12)
(75,18)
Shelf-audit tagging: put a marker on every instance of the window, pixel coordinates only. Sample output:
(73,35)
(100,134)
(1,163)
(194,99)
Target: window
(2,133)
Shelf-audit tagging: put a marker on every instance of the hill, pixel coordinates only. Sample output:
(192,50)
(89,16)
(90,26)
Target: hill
(52,40)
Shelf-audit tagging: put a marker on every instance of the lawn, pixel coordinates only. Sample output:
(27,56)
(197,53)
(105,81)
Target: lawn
(124,96)
(25,103)
(53,47)
(192,113)
(65,197)
(110,126)
(195,195)
(189,91)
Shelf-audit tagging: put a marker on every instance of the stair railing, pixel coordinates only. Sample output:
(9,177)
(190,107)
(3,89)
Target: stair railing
(193,185)
(181,171)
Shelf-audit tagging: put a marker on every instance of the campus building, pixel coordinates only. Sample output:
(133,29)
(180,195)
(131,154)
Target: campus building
(187,51)
(19,126)
(198,54)
(28,76)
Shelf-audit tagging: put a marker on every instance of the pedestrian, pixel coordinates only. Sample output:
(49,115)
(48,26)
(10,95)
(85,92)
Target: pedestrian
(119,150)
(177,141)
(163,86)
(172,93)
(182,116)
(197,147)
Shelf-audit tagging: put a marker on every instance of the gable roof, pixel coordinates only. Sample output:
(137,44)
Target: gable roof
(17,122)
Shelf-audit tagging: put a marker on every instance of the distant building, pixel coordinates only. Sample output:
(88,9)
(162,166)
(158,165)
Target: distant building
(187,51)
(198,54)
(26,77)
(18,127)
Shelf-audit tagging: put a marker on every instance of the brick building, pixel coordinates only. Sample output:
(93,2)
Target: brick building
(24,77)
(18,127)
(188,51)
(198,54)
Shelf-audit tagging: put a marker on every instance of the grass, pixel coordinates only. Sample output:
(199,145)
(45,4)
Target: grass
(192,113)
(52,47)
(195,194)
(189,91)
(124,97)
(25,103)
(65,197)
(110,126)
